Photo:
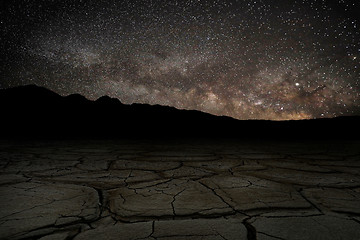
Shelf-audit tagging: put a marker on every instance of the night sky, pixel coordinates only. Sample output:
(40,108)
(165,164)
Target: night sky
(259,59)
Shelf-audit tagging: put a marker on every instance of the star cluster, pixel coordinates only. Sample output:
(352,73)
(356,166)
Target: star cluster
(255,59)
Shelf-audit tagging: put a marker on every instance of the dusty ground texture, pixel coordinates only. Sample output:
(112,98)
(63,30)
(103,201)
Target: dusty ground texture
(179,190)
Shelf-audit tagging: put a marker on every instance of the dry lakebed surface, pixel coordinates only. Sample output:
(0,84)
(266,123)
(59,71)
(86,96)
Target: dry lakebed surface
(193,189)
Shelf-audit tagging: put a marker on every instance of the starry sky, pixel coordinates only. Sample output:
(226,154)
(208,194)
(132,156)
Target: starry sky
(250,59)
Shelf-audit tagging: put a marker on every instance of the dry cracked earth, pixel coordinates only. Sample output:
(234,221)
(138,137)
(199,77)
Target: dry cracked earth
(179,190)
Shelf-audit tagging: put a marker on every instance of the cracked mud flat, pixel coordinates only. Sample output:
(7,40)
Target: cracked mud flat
(179,190)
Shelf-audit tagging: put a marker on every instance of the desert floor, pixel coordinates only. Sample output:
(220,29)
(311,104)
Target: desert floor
(179,189)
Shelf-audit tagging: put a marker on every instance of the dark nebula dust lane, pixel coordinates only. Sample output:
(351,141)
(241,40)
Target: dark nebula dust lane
(255,59)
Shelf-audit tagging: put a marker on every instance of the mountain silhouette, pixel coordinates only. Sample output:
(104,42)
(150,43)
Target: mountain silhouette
(35,112)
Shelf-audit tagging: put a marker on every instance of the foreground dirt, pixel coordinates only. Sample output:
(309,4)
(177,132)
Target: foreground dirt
(179,190)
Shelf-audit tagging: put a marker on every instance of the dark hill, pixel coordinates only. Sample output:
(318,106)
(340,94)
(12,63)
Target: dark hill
(31,111)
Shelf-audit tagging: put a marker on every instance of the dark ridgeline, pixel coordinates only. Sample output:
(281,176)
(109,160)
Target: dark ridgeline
(36,112)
